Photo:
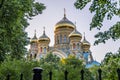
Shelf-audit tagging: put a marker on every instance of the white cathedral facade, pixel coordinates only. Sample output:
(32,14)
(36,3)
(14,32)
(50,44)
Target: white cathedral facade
(67,41)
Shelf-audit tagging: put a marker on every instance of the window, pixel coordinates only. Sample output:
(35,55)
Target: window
(65,39)
(41,49)
(74,46)
(44,49)
(57,39)
(78,46)
(60,38)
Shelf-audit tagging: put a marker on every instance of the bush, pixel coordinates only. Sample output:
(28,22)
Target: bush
(15,67)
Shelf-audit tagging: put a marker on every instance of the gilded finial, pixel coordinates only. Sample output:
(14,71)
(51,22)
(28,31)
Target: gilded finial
(64,12)
(75,25)
(84,35)
(35,32)
(34,37)
(86,40)
(44,30)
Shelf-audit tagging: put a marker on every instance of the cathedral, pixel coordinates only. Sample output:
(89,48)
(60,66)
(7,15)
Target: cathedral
(67,41)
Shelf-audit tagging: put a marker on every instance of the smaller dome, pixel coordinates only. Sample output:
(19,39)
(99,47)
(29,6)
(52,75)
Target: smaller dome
(75,33)
(44,37)
(85,42)
(34,39)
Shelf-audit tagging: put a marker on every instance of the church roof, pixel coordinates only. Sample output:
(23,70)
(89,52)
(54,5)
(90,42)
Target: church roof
(64,22)
(75,33)
(85,42)
(34,38)
(44,36)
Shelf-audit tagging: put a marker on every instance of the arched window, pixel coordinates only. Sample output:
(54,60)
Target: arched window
(44,49)
(78,46)
(60,38)
(65,39)
(57,39)
(41,49)
(74,46)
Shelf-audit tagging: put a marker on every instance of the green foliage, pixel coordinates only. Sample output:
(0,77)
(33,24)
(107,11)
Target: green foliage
(15,68)
(73,62)
(13,22)
(74,66)
(94,72)
(113,32)
(110,64)
(102,9)
(50,60)
(50,63)
(58,67)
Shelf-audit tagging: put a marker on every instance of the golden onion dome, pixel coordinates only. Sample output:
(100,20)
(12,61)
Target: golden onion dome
(85,42)
(64,22)
(44,37)
(75,33)
(34,39)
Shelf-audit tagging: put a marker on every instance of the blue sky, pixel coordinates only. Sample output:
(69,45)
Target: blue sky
(54,12)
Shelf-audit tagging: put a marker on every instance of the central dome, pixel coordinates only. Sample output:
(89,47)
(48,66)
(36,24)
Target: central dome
(64,22)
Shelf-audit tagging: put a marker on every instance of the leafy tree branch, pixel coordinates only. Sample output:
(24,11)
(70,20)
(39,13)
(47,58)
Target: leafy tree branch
(102,9)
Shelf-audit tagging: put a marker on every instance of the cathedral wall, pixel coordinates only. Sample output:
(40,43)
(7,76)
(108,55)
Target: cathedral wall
(61,37)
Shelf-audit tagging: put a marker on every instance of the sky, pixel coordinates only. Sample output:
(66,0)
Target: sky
(54,12)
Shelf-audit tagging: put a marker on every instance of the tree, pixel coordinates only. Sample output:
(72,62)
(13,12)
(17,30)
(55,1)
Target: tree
(13,22)
(110,64)
(15,67)
(58,66)
(74,66)
(50,58)
(50,61)
(103,9)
